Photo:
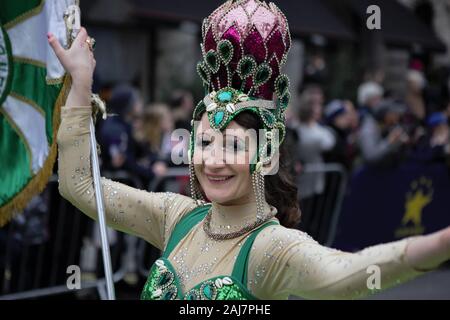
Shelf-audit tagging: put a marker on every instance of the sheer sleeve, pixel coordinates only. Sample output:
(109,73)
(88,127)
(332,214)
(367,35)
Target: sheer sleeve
(289,262)
(148,215)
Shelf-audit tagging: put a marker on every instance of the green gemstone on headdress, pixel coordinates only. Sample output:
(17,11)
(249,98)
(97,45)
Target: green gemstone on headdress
(263,74)
(225,96)
(285,101)
(225,49)
(282,85)
(267,117)
(246,67)
(218,117)
(212,61)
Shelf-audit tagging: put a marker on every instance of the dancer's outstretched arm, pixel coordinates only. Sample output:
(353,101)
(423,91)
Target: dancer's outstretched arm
(289,262)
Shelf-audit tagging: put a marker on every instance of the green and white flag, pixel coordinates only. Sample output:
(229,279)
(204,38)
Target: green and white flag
(33,86)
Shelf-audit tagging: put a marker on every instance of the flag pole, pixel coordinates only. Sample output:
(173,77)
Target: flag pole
(101,214)
(72,20)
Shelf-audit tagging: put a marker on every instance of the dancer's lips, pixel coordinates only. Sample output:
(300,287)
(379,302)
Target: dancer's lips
(218,179)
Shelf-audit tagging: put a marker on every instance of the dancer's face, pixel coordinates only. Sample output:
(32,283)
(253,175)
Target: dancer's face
(224,155)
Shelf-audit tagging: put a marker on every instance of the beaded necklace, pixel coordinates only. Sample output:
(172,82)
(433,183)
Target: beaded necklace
(235,234)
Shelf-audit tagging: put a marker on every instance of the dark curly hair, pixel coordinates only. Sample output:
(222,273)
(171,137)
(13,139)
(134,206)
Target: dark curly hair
(280,188)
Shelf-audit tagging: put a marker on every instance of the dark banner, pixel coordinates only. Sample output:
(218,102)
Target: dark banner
(387,205)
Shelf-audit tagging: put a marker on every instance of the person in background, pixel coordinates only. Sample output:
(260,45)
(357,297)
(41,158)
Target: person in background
(153,137)
(314,140)
(414,119)
(116,132)
(415,85)
(438,123)
(370,95)
(435,145)
(105,91)
(339,118)
(182,105)
(381,138)
(316,70)
(354,121)
(315,94)
(292,137)
(291,115)
(352,114)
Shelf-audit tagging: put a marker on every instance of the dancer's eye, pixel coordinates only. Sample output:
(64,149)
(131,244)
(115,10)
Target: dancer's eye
(235,144)
(203,141)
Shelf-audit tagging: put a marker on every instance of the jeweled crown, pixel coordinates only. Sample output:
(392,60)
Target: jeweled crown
(245,43)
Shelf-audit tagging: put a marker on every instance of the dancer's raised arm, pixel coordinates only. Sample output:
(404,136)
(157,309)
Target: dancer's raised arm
(148,215)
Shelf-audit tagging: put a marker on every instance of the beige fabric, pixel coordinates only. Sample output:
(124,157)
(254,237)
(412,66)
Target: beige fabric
(282,262)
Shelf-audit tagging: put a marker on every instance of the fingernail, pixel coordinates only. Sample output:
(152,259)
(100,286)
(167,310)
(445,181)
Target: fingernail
(49,35)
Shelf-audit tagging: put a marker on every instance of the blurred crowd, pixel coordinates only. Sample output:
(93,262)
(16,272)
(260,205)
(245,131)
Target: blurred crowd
(135,137)
(379,130)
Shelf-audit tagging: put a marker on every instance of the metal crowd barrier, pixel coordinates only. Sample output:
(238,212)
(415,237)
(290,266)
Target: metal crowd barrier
(38,245)
(320,211)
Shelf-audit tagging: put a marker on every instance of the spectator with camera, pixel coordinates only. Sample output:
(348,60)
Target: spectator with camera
(382,140)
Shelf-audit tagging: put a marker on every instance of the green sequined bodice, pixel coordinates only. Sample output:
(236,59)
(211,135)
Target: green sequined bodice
(163,283)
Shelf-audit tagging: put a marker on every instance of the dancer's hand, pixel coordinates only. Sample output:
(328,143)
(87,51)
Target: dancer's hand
(429,251)
(79,62)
